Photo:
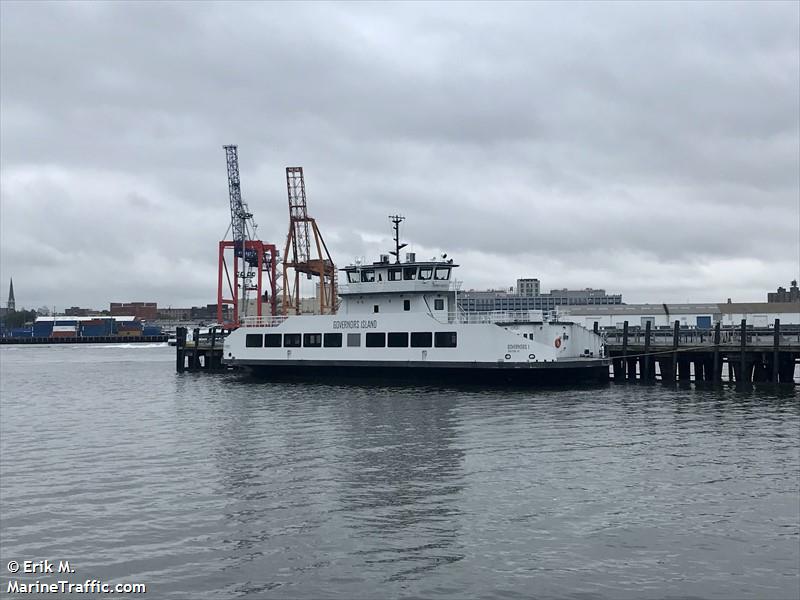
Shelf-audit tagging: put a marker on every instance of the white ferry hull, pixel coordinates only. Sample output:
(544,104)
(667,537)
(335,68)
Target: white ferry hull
(516,352)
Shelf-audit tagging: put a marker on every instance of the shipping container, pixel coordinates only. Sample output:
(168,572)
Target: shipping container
(42,328)
(151,330)
(63,334)
(63,328)
(129,333)
(96,330)
(63,322)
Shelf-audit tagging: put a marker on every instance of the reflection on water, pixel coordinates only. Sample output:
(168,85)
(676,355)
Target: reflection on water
(210,486)
(401,474)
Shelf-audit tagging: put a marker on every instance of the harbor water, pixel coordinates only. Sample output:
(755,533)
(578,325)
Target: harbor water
(215,486)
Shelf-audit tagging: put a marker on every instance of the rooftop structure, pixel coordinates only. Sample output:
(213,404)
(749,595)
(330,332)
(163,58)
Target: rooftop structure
(528,287)
(782,295)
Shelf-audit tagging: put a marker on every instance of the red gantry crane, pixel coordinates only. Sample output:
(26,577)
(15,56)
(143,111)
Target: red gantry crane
(252,259)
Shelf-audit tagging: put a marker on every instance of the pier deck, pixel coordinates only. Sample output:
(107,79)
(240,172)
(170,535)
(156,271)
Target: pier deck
(202,353)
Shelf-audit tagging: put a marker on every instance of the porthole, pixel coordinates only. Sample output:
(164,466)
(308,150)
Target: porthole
(508,356)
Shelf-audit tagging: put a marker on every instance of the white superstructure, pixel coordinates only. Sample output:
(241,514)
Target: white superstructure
(401,318)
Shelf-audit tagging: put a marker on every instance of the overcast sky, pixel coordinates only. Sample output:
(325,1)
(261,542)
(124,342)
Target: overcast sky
(649,149)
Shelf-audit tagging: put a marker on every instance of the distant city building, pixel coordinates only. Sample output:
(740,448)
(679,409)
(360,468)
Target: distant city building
(195,313)
(11,305)
(76,311)
(501,300)
(528,287)
(147,311)
(782,295)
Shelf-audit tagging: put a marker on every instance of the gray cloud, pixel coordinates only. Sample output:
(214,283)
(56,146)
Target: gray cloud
(649,149)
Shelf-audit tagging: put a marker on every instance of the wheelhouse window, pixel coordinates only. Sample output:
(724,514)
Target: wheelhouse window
(445,339)
(421,339)
(409,273)
(442,273)
(272,340)
(312,340)
(395,274)
(353,340)
(352,277)
(425,272)
(438,304)
(376,340)
(397,339)
(368,275)
(291,340)
(332,340)
(254,340)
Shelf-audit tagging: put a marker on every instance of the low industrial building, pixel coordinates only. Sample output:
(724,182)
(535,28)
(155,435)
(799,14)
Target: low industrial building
(700,316)
(501,300)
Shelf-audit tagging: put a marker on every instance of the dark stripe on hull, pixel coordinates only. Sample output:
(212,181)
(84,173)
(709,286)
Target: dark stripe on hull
(433,374)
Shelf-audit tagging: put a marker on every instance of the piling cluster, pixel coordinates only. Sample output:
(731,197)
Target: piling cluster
(749,355)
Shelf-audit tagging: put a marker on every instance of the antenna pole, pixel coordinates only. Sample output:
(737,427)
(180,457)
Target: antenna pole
(397,219)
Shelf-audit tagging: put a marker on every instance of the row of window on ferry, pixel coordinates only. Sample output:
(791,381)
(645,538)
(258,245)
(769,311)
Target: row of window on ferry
(400,274)
(394,339)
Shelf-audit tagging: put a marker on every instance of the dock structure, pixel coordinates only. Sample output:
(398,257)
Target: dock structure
(202,353)
(94,339)
(752,355)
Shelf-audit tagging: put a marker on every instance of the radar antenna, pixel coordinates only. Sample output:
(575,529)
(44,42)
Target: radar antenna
(397,219)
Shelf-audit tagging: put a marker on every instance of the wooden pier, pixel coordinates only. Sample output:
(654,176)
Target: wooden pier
(202,353)
(749,355)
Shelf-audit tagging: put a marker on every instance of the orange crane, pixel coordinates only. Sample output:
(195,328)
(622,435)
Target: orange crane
(298,256)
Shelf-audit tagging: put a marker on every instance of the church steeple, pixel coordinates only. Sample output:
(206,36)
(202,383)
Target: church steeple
(11,303)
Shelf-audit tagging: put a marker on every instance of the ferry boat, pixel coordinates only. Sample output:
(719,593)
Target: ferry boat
(400,320)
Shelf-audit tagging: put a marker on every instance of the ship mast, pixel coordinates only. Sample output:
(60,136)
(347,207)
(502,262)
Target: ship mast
(397,219)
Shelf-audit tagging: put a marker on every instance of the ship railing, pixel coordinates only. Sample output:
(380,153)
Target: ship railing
(494,316)
(263,321)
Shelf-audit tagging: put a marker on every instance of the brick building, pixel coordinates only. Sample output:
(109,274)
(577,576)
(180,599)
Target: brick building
(146,311)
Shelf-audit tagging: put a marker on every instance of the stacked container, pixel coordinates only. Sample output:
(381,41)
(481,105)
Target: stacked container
(64,331)
(151,330)
(129,328)
(97,327)
(42,328)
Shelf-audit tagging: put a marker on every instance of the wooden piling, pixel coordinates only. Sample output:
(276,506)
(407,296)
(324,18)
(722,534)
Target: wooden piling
(210,356)
(195,358)
(626,366)
(180,349)
(776,343)
(647,358)
(676,330)
(717,373)
(742,358)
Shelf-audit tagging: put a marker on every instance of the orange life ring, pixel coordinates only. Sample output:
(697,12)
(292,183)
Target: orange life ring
(558,342)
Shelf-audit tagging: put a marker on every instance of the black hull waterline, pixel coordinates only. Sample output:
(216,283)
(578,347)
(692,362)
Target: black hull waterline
(566,373)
